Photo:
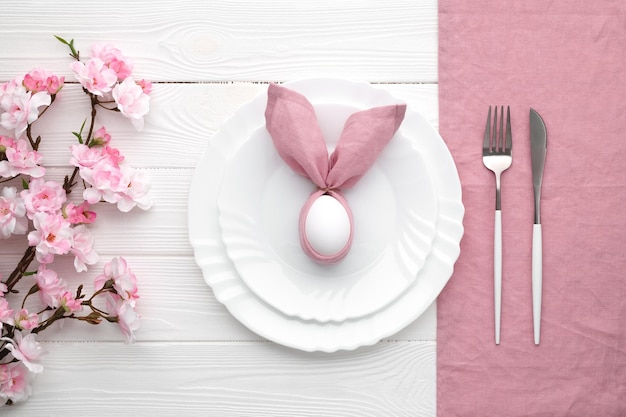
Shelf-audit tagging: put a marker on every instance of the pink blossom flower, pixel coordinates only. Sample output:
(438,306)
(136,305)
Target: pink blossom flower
(113,155)
(127,316)
(6,142)
(85,157)
(69,303)
(101,137)
(15,381)
(82,248)
(79,214)
(12,212)
(145,85)
(98,161)
(55,84)
(21,160)
(36,80)
(7,90)
(53,292)
(43,197)
(94,76)
(27,350)
(51,287)
(113,58)
(110,180)
(40,80)
(52,236)
(21,107)
(131,101)
(135,193)
(99,167)
(26,320)
(124,280)
(6,313)
(105,179)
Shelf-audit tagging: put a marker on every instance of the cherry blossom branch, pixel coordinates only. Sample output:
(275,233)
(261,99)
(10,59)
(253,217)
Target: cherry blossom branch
(57,226)
(95,317)
(94,102)
(35,143)
(21,268)
(70,181)
(7,179)
(59,313)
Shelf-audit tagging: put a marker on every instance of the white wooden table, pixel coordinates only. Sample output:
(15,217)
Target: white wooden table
(205,60)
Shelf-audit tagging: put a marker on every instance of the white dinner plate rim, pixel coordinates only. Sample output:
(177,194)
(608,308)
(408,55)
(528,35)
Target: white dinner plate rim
(262,319)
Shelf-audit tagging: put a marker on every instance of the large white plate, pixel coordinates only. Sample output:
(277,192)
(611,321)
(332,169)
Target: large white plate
(394,207)
(219,272)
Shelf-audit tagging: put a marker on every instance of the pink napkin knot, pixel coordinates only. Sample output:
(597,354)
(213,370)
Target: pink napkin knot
(296,134)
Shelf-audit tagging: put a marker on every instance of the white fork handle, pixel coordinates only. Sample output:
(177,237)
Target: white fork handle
(537,280)
(497,272)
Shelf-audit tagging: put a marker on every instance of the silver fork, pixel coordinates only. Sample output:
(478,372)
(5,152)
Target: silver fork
(497,157)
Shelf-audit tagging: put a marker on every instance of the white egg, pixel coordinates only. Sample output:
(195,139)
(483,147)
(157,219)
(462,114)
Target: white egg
(327,225)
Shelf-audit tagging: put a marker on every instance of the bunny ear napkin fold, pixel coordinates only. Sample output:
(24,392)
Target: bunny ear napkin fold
(296,134)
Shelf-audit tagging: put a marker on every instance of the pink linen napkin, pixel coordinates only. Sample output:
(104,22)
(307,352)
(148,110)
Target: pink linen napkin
(295,131)
(567,60)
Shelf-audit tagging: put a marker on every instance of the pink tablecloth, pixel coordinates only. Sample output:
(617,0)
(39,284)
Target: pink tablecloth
(567,60)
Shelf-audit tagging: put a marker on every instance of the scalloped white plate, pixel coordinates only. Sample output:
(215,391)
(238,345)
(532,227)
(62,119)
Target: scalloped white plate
(394,207)
(228,287)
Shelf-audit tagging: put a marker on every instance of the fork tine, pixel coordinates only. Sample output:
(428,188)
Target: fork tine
(487,135)
(501,138)
(494,134)
(501,131)
(509,137)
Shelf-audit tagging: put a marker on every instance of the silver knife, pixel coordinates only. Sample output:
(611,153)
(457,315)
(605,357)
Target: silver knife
(538,147)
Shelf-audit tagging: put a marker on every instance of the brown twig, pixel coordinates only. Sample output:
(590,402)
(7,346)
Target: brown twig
(21,268)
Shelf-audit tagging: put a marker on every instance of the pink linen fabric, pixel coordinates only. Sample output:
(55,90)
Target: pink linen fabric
(295,131)
(567,60)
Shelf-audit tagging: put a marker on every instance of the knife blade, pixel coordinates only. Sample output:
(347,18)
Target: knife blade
(538,149)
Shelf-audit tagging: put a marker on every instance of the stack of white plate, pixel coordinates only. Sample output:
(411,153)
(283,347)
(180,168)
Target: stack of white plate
(243,225)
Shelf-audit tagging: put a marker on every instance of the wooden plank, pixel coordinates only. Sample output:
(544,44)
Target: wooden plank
(232,379)
(175,304)
(225,40)
(182,119)
(160,230)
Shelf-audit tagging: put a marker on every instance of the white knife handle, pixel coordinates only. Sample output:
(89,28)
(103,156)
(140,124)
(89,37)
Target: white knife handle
(537,280)
(497,272)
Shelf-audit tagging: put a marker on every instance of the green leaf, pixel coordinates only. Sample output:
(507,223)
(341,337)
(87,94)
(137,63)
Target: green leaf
(74,53)
(63,41)
(78,136)
(24,184)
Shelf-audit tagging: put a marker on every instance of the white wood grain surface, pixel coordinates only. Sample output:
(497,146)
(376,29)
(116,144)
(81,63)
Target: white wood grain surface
(206,59)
